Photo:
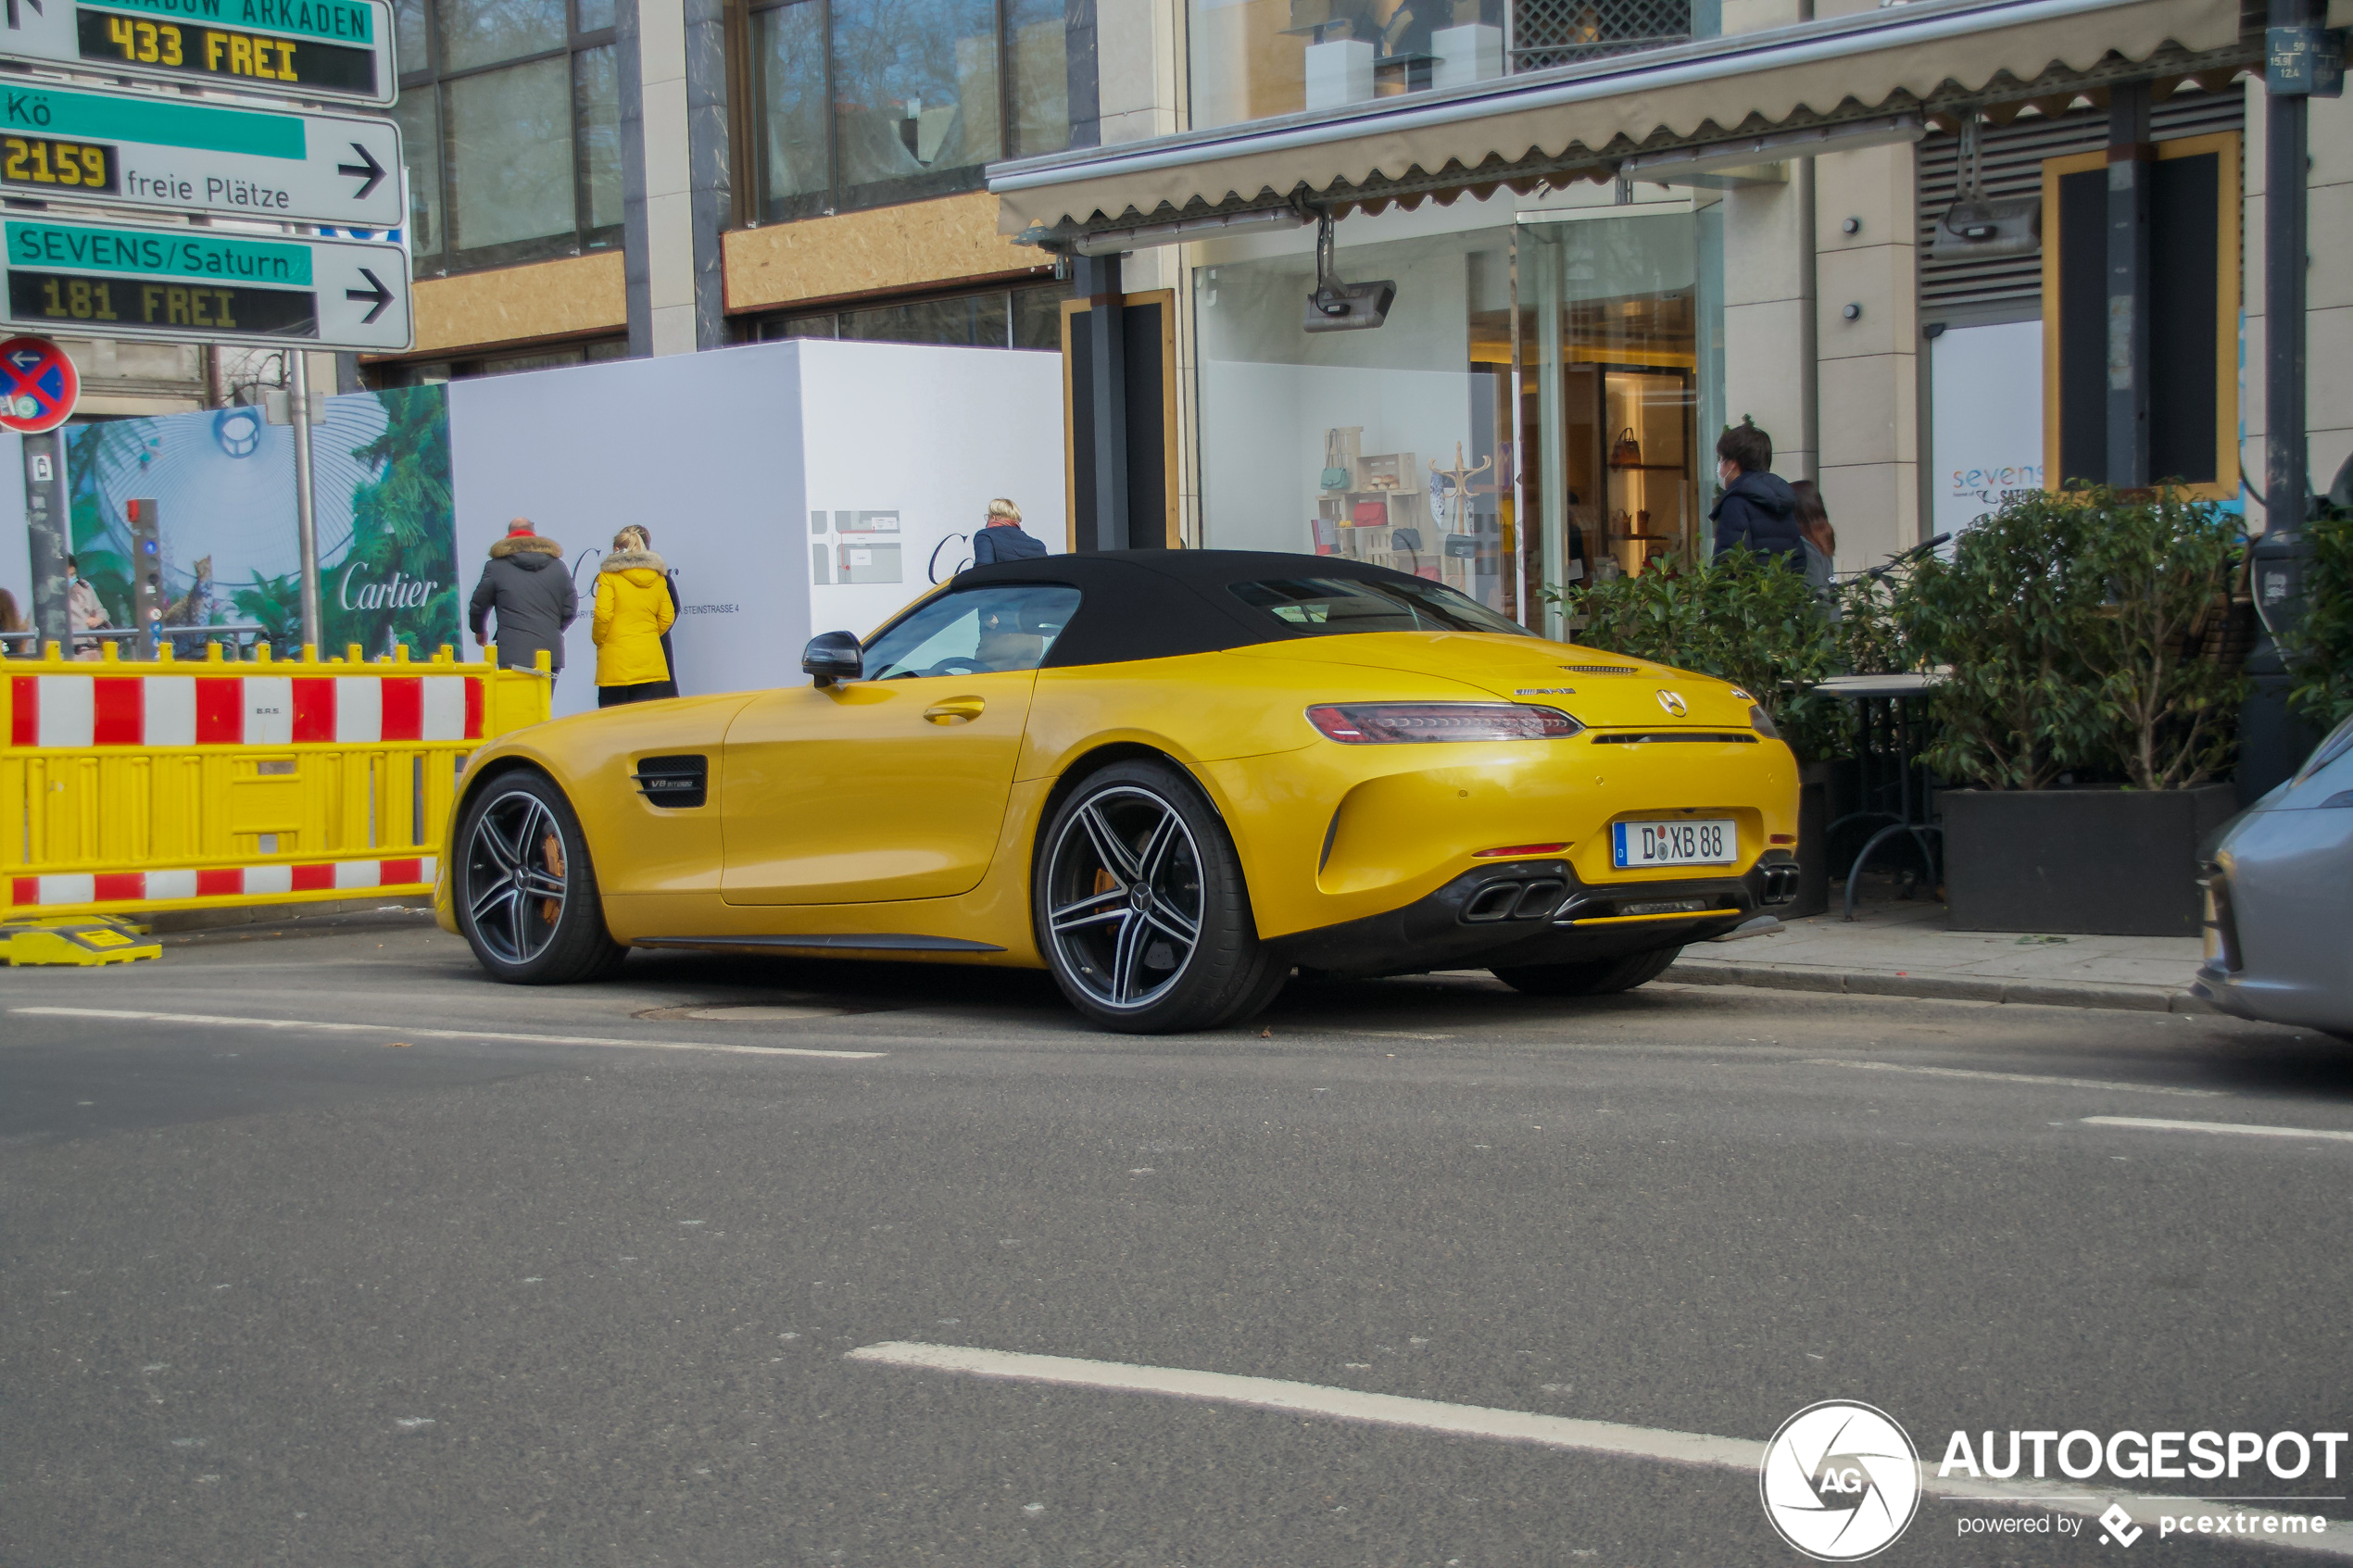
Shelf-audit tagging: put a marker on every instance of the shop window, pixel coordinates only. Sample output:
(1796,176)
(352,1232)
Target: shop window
(509,114)
(865,102)
(1254,59)
(1414,448)
(1392,446)
(1017,318)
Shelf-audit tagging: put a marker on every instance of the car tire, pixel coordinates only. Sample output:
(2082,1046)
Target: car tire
(524,888)
(1601,977)
(1183,953)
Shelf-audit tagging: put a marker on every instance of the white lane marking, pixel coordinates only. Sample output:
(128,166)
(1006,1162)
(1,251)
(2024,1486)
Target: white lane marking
(208,1018)
(1312,1399)
(1738,1454)
(2019,1078)
(2243,1128)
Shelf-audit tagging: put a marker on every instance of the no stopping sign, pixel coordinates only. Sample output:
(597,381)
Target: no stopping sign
(38,385)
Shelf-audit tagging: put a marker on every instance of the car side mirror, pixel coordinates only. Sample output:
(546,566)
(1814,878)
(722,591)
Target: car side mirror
(833,656)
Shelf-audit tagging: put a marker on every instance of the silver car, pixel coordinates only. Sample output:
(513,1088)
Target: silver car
(2278,924)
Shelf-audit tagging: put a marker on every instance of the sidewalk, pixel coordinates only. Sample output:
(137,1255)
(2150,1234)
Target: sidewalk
(1898,948)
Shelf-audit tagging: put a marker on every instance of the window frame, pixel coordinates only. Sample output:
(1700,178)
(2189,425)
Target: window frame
(773,325)
(835,196)
(429,77)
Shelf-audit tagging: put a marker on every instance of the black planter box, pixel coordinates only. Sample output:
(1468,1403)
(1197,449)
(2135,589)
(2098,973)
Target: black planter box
(2098,861)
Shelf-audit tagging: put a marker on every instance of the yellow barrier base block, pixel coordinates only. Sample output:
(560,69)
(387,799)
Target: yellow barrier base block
(75,939)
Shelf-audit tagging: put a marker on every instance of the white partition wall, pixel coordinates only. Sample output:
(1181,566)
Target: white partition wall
(795,487)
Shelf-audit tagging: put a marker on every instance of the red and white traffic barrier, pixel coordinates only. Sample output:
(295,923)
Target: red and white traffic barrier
(219,882)
(74,711)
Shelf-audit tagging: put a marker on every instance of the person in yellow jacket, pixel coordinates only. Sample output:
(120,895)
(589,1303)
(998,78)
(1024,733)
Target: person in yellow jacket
(633,611)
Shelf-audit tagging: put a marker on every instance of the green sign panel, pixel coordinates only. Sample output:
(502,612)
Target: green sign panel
(132,149)
(201,285)
(306,50)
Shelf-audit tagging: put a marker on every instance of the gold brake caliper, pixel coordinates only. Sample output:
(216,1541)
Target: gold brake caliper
(552,847)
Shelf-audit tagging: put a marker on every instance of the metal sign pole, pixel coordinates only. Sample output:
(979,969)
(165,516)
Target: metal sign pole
(305,520)
(45,518)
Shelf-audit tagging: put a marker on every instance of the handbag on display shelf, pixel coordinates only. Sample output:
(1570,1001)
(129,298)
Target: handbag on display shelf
(1335,476)
(1370,514)
(1625,452)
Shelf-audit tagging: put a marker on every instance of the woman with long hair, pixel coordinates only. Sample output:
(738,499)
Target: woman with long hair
(1814,532)
(633,611)
(645,541)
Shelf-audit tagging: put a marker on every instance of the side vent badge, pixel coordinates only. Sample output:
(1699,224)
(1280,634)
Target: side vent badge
(675,783)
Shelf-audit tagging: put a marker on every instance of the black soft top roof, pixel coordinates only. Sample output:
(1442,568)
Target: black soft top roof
(1160,604)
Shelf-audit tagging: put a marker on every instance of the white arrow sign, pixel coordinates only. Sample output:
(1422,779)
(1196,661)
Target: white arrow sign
(207,285)
(138,149)
(314,49)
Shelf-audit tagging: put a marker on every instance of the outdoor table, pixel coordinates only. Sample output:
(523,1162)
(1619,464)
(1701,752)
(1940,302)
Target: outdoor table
(1884,711)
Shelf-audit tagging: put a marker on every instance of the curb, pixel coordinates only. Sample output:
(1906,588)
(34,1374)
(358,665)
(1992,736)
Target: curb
(1941,987)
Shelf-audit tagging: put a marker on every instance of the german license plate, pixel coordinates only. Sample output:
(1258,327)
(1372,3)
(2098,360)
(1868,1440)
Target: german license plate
(1707,842)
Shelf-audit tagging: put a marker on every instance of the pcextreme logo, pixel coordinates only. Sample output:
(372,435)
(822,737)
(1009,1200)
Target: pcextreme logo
(1841,1481)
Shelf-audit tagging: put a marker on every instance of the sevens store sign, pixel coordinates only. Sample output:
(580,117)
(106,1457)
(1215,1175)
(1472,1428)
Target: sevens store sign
(38,385)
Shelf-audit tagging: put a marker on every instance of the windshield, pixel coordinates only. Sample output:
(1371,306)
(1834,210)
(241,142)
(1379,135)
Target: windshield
(1331,605)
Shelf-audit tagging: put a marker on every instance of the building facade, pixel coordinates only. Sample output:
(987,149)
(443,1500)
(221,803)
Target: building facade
(1879,231)
(1613,228)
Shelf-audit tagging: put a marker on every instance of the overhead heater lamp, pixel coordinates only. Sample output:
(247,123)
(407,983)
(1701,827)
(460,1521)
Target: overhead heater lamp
(1336,307)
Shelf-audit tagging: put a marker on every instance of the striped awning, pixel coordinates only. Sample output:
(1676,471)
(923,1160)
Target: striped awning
(1834,80)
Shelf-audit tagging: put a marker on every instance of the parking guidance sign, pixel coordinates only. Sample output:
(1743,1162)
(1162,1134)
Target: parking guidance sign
(132,149)
(321,49)
(207,285)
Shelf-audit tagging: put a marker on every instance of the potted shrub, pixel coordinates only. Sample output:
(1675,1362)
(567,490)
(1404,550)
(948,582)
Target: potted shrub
(2078,710)
(2320,650)
(1754,622)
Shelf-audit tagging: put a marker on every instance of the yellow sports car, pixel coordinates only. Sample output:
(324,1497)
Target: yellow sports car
(1170,777)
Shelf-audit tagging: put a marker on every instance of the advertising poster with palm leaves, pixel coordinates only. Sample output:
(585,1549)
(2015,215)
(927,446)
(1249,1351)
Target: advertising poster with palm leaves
(222,482)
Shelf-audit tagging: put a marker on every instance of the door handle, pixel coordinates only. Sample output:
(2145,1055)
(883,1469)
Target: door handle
(955,711)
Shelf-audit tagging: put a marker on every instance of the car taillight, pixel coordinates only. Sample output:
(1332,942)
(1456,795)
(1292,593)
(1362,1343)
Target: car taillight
(1390,723)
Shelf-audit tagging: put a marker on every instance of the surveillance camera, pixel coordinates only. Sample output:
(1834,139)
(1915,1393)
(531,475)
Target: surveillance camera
(1345,307)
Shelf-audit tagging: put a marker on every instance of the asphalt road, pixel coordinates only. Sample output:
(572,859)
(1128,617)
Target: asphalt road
(382,1296)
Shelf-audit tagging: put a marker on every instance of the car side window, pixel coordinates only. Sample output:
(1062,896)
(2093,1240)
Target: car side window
(974,631)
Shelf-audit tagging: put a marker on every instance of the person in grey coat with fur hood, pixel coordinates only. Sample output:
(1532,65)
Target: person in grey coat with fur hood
(527,584)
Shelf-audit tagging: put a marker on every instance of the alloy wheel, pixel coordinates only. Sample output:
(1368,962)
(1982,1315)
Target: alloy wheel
(515,886)
(1124,899)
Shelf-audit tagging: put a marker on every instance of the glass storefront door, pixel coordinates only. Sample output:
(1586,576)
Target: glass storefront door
(1567,371)
(1620,336)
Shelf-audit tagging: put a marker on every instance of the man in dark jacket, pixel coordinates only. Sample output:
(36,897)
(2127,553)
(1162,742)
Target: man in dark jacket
(527,584)
(1758,508)
(1001,538)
